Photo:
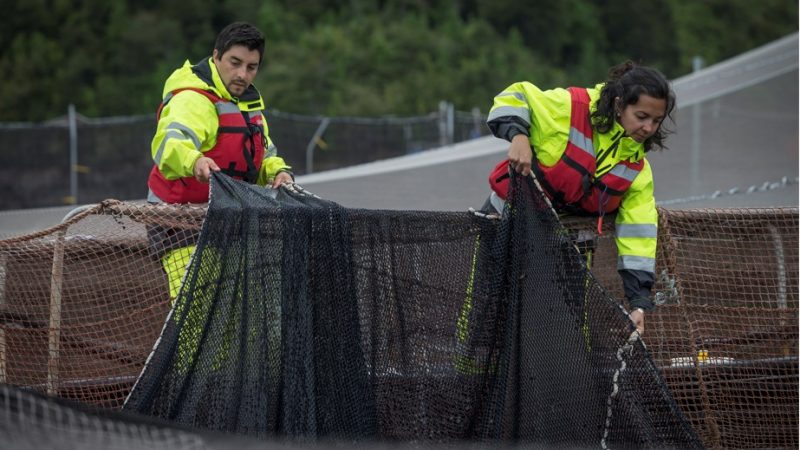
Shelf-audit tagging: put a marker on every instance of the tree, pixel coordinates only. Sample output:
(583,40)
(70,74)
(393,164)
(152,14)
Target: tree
(720,29)
(359,57)
(372,66)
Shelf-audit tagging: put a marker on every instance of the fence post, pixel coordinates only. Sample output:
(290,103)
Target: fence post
(54,328)
(3,275)
(451,113)
(476,123)
(446,123)
(313,143)
(73,155)
(697,65)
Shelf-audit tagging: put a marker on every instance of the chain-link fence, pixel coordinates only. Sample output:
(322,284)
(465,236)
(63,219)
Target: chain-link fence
(89,160)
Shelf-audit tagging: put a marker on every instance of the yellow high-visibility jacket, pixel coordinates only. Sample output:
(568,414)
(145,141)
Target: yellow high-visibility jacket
(544,116)
(188,123)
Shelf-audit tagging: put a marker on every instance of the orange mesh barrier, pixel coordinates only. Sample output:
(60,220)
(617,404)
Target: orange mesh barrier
(82,304)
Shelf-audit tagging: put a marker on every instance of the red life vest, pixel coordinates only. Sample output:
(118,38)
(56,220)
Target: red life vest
(239,152)
(570,183)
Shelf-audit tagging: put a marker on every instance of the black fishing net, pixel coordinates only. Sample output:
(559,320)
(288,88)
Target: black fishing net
(31,421)
(301,319)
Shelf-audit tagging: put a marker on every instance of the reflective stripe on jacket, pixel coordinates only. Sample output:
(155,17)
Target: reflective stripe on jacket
(546,117)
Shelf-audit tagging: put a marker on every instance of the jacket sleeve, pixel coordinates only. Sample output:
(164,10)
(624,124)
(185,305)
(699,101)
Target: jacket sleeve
(272,164)
(636,237)
(185,130)
(510,114)
(543,116)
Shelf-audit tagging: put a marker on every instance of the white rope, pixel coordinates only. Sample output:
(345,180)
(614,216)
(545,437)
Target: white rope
(763,187)
(627,347)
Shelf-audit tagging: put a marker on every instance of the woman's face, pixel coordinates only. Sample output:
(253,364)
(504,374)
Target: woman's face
(642,119)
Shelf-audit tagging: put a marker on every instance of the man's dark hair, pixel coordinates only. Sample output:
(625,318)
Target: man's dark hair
(240,33)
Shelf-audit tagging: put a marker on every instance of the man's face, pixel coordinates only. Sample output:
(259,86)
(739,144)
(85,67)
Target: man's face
(237,67)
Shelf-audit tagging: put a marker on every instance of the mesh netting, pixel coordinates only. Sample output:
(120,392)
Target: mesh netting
(347,141)
(299,317)
(725,334)
(114,159)
(410,326)
(30,421)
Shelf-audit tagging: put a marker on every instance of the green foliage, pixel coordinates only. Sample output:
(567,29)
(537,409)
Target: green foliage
(359,57)
(375,67)
(648,40)
(719,29)
(560,32)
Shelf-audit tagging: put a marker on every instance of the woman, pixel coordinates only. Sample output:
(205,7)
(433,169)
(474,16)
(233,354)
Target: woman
(590,147)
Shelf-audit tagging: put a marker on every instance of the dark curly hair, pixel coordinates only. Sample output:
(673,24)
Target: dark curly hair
(628,81)
(240,33)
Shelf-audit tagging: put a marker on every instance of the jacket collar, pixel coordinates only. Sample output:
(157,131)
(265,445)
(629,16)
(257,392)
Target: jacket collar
(627,148)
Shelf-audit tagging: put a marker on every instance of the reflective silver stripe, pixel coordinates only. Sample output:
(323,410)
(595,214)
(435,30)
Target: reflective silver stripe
(517,95)
(263,117)
(638,230)
(172,134)
(227,108)
(505,111)
(636,263)
(623,171)
(271,151)
(188,132)
(168,97)
(497,203)
(581,141)
(152,197)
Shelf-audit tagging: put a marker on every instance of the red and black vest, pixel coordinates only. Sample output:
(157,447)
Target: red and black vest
(239,152)
(570,183)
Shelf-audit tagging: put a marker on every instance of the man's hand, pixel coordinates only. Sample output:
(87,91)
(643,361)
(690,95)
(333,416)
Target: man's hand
(281,178)
(520,154)
(637,317)
(203,168)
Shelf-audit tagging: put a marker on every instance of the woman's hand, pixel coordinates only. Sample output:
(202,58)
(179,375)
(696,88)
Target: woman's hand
(520,154)
(637,317)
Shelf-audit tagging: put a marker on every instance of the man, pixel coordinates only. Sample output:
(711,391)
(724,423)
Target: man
(211,120)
